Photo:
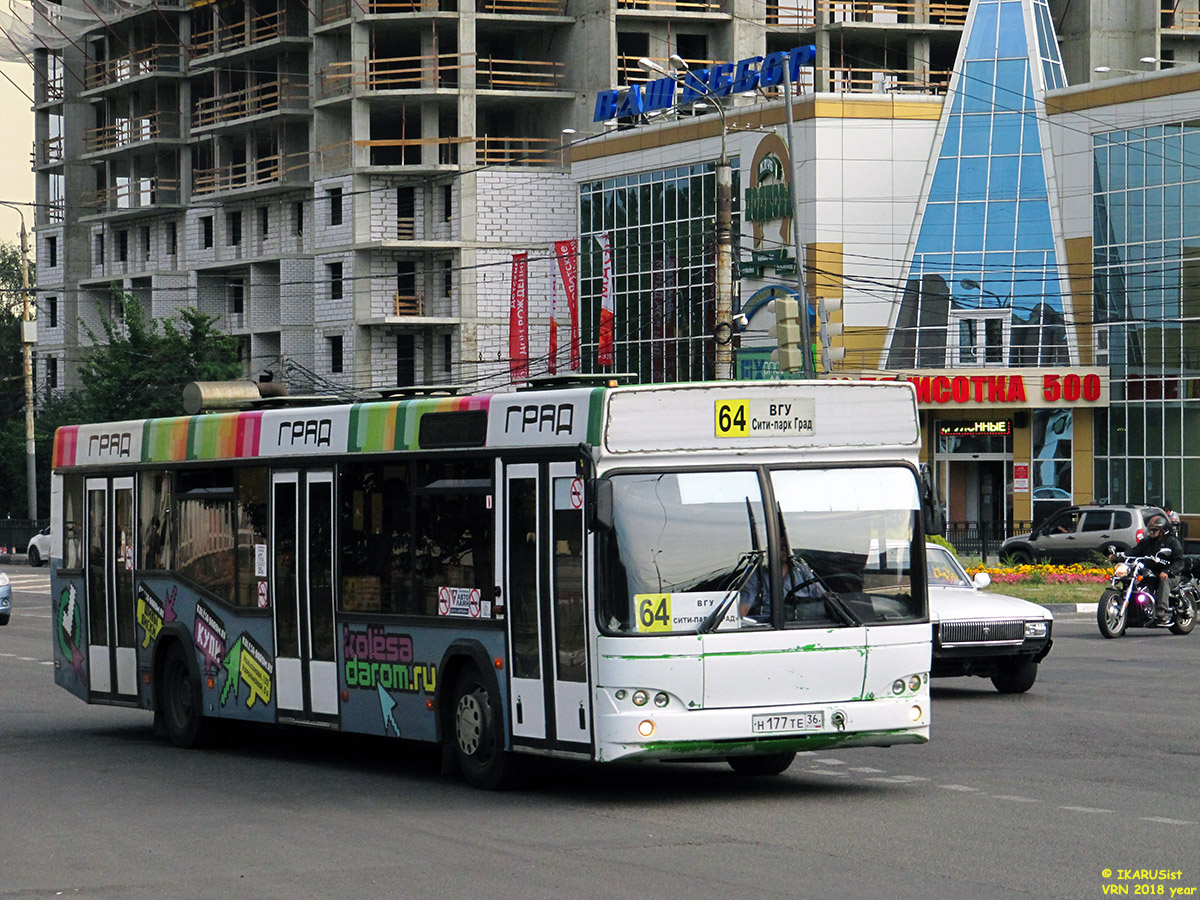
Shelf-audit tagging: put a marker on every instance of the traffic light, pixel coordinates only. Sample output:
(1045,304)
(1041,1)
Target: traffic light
(828,331)
(788,333)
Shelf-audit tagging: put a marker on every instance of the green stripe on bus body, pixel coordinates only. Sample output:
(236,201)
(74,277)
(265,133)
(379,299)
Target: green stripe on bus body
(776,745)
(861,649)
(595,425)
(368,428)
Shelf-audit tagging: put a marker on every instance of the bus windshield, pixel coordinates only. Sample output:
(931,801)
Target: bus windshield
(695,551)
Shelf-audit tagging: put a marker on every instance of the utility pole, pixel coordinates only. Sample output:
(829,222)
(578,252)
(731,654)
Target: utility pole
(806,334)
(724,280)
(28,339)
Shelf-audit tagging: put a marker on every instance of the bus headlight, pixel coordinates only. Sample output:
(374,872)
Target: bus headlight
(640,697)
(910,682)
(661,699)
(646,728)
(916,713)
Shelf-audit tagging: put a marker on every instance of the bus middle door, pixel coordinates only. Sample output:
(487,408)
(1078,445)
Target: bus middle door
(542,546)
(112,652)
(302,536)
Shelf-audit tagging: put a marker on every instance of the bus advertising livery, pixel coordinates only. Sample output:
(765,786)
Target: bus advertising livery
(668,572)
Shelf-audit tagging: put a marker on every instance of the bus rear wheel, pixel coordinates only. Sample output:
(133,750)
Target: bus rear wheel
(764,764)
(478,734)
(181,702)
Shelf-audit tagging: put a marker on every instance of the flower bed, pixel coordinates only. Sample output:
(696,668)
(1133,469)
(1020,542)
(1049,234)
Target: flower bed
(1045,574)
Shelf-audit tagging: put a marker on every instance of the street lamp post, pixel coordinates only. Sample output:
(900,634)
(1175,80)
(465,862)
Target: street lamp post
(1145,61)
(801,286)
(972,285)
(28,339)
(723,331)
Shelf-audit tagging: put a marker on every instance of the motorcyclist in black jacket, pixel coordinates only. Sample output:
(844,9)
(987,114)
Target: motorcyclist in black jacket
(1161,536)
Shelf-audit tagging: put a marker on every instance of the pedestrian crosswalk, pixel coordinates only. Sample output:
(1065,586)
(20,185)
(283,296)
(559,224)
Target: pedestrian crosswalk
(31,582)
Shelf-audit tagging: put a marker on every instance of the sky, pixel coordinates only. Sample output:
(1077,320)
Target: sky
(16,147)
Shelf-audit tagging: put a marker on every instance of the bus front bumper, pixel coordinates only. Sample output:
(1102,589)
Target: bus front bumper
(672,733)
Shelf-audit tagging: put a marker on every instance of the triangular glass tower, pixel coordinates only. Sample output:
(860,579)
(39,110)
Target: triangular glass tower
(984,278)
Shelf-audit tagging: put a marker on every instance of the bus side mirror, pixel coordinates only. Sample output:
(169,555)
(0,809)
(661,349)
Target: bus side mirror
(932,518)
(935,522)
(602,505)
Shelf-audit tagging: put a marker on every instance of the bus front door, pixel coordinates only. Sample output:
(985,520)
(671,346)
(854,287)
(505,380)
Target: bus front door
(108,561)
(302,551)
(544,596)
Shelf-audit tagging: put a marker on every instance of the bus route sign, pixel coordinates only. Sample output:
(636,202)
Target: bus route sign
(765,418)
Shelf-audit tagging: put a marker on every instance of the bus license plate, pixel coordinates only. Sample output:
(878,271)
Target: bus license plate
(765,723)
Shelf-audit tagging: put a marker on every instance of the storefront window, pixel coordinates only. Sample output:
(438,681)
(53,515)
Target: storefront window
(1052,488)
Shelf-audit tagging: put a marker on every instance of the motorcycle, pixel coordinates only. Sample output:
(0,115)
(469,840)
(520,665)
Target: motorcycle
(1128,601)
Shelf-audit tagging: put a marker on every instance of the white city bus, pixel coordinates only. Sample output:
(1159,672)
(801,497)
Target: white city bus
(600,573)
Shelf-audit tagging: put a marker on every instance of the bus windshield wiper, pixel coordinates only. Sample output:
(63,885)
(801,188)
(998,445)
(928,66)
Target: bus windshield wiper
(837,605)
(748,564)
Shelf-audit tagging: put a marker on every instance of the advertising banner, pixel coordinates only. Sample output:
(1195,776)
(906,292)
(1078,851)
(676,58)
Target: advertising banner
(518,317)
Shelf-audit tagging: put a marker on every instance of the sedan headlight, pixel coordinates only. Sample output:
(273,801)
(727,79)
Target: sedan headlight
(3,579)
(1036,628)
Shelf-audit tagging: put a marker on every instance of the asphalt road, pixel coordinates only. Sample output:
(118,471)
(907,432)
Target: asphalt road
(1015,797)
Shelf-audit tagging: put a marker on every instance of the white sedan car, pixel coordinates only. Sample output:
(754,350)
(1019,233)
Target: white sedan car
(984,634)
(39,547)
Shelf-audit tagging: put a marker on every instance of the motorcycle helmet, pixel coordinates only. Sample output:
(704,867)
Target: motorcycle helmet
(1161,523)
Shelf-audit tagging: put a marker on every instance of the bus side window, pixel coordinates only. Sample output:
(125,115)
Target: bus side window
(376,538)
(72,522)
(453,530)
(154,521)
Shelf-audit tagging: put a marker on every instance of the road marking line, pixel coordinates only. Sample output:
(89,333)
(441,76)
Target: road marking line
(1015,798)
(1165,821)
(867,770)
(1085,809)
(899,779)
(957,787)
(830,762)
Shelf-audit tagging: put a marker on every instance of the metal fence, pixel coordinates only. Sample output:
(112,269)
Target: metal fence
(15,533)
(982,539)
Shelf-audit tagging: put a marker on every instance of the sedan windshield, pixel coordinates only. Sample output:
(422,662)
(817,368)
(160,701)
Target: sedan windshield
(944,569)
(701,551)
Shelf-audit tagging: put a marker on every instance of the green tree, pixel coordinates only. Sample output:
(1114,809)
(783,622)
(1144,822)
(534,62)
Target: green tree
(12,383)
(137,370)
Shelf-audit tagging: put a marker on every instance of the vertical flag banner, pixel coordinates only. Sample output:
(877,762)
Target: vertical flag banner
(607,311)
(518,317)
(552,362)
(568,267)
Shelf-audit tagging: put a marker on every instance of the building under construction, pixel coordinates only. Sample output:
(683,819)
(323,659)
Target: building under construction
(343,183)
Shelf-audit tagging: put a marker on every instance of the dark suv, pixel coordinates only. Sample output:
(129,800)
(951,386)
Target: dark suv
(1075,533)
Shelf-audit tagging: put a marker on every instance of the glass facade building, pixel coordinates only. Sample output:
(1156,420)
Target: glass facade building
(661,227)
(1146,270)
(983,287)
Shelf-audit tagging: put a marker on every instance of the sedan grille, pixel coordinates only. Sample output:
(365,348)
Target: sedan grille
(982,631)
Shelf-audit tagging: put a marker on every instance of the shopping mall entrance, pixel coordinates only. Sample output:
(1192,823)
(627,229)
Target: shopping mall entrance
(973,474)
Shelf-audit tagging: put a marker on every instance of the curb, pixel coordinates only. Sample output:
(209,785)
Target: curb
(1064,608)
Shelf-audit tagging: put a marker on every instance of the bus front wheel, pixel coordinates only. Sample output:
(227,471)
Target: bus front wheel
(478,734)
(181,702)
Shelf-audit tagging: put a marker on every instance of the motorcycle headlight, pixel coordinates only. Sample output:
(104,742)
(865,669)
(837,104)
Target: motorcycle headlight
(1035,628)
(1120,570)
